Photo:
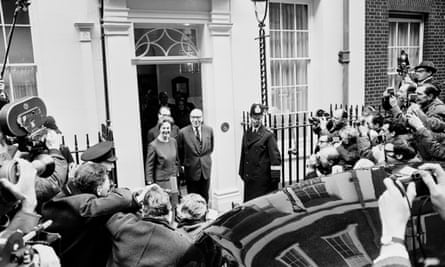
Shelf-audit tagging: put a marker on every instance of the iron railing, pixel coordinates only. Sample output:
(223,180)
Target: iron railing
(295,138)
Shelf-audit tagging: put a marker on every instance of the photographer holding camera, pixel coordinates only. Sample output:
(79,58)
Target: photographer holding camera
(395,212)
(428,107)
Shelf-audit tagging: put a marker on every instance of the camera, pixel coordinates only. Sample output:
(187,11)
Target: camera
(390,91)
(416,177)
(318,114)
(22,121)
(412,98)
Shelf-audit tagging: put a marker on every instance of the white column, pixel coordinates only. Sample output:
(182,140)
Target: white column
(219,108)
(86,88)
(124,102)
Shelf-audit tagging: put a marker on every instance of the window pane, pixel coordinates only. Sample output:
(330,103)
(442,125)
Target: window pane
(302,44)
(23,80)
(301,96)
(392,34)
(8,13)
(301,16)
(288,16)
(288,70)
(21,46)
(274,15)
(275,44)
(414,34)
(301,72)
(403,34)
(393,55)
(413,56)
(288,44)
(275,73)
(392,80)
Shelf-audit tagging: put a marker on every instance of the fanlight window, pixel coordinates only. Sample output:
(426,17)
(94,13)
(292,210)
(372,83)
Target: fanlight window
(166,42)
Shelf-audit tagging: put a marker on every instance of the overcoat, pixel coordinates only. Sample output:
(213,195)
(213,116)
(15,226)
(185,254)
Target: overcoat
(80,219)
(259,152)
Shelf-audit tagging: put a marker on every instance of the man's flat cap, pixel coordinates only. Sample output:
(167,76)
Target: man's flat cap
(100,152)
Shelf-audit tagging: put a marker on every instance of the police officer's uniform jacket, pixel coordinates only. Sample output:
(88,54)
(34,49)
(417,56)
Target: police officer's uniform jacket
(260,162)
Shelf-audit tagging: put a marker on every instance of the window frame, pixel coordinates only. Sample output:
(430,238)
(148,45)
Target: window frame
(400,18)
(5,34)
(307,59)
(299,254)
(351,233)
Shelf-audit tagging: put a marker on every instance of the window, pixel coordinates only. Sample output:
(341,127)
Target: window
(348,246)
(166,42)
(289,56)
(407,35)
(295,257)
(20,73)
(310,189)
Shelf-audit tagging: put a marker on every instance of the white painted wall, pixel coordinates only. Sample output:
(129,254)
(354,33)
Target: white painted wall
(246,68)
(325,43)
(357,46)
(60,78)
(170,5)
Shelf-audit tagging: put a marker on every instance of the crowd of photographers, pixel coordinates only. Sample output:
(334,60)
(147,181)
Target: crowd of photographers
(411,128)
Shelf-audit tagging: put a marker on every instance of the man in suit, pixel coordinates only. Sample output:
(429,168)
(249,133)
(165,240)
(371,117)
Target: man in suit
(195,145)
(260,162)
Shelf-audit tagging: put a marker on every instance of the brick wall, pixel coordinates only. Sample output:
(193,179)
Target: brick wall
(376,46)
(376,40)
(434,40)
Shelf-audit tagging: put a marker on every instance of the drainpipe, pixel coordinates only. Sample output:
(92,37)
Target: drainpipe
(343,56)
(104,64)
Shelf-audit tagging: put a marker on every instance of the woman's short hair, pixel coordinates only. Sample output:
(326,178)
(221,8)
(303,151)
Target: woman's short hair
(165,120)
(156,202)
(89,176)
(192,207)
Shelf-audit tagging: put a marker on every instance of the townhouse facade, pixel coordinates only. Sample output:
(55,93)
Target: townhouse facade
(107,60)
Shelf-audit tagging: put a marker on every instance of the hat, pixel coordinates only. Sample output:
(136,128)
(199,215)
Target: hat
(256,109)
(100,152)
(429,65)
(50,123)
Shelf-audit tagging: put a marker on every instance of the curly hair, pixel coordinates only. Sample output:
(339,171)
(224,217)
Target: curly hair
(156,202)
(89,176)
(193,207)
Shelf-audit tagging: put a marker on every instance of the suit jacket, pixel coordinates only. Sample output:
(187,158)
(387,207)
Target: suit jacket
(259,151)
(139,241)
(195,157)
(80,219)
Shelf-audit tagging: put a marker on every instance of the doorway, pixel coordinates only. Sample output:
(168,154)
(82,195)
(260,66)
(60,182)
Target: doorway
(180,82)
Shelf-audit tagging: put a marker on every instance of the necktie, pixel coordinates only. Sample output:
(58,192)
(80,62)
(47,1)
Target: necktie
(197,134)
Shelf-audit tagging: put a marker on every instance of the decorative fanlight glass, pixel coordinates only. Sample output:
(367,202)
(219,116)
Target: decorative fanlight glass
(169,42)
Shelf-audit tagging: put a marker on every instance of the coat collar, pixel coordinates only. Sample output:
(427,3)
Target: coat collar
(160,221)
(435,102)
(254,137)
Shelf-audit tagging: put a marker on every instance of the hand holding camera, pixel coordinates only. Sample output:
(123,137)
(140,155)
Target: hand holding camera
(24,189)
(435,186)
(414,121)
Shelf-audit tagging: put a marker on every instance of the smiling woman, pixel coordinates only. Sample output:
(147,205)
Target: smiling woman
(161,166)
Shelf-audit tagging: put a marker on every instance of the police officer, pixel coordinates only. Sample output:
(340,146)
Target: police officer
(260,162)
(102,152)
